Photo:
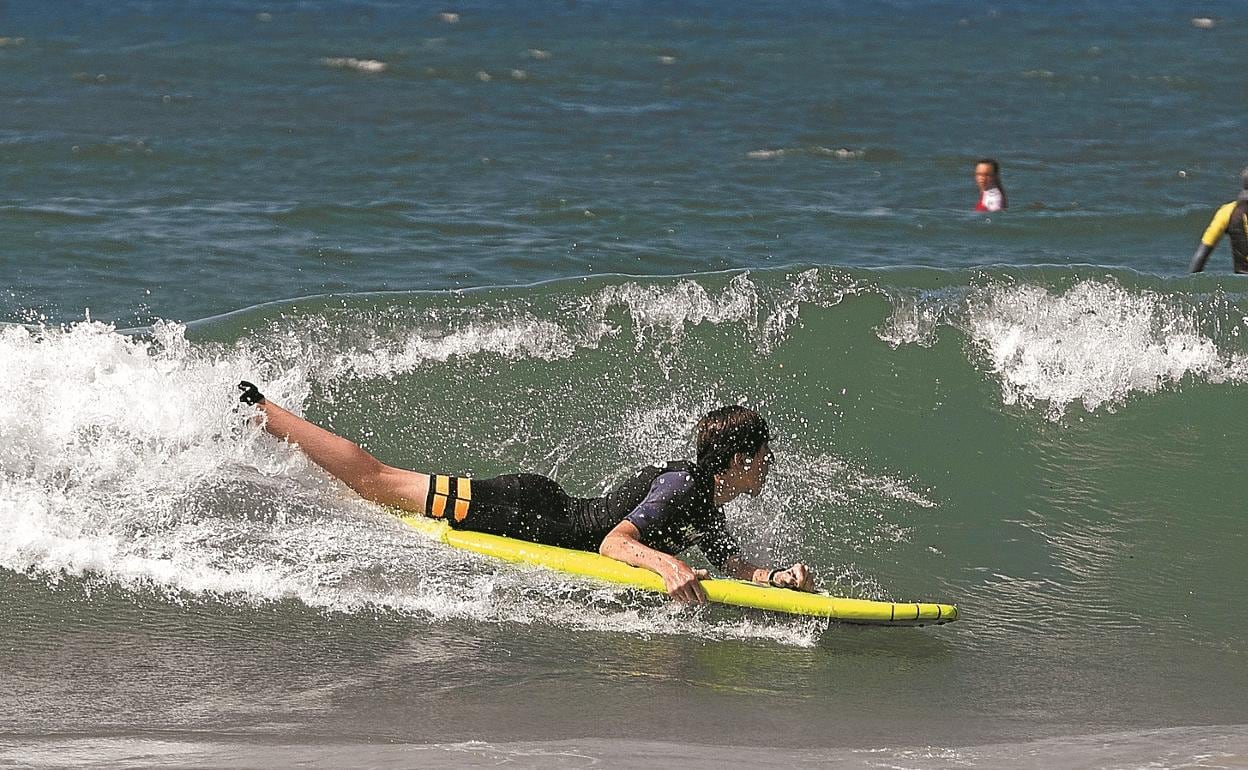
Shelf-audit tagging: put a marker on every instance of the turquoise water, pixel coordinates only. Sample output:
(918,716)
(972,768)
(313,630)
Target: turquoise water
(549,239)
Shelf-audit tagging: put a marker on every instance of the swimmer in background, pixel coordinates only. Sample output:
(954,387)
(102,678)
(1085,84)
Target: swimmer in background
(988,180)
(1229,218)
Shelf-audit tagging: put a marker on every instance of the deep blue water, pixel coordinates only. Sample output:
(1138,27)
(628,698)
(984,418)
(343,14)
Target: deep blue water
(181,160)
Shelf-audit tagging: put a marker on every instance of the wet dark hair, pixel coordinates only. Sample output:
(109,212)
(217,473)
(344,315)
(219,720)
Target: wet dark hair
(724,432)
(996,167)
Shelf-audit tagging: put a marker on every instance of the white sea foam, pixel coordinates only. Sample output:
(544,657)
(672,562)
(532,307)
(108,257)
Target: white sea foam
(660,317)
(104,440)
(1094,344)
(813,502)
(522,336)
(660,432)
(359,65)
(840,153)
(667,310)
(810,287)
(128,461)
(831,504)
(914,319)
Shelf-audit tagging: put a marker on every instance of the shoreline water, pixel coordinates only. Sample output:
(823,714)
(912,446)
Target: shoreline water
(1195,747)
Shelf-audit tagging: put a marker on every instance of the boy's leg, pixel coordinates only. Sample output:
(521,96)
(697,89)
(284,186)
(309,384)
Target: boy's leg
(346,461)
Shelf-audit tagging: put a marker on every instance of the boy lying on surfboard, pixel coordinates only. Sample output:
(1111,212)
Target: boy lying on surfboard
(645,522)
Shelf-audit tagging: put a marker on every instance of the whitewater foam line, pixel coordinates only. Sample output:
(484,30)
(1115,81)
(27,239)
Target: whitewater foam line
(104,440)
(139,471)
(397,340)
(1094,344)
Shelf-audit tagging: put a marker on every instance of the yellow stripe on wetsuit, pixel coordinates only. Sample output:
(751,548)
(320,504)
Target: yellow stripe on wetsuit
(448,492)
(1217,226)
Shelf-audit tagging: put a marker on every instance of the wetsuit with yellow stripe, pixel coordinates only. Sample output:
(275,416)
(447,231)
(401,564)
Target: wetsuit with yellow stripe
(671,505)
(1230,219)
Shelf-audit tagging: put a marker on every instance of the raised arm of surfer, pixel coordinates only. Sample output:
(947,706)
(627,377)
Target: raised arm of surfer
(657,513)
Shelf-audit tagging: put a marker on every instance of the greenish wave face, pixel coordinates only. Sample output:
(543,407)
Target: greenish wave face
(1051,450)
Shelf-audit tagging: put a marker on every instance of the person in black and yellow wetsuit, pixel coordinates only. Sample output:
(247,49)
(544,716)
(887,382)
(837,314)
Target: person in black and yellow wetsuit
(1231,219)
(657,513)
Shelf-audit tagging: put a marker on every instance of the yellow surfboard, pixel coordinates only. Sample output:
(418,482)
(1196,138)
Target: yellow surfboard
(735,592)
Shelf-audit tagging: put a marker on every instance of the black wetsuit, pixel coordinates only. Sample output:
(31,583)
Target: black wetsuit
(671,505)
(1230,219)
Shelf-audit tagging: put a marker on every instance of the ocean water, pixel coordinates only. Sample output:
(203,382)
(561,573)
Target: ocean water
(493,237)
